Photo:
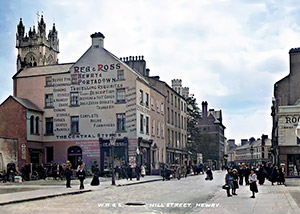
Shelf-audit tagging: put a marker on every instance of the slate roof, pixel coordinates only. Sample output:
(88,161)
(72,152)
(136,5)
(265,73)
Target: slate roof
(44,70)
(27,104)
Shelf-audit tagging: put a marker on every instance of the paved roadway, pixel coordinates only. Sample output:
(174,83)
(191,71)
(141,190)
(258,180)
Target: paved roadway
(188,195)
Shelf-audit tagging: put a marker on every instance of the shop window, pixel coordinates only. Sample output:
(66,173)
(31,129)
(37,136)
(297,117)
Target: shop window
(121,122)
(74,124)
(49,125)
(49,100)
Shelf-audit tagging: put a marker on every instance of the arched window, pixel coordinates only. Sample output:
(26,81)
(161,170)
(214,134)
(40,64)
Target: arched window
(75,156)
(32,125)
(37,131)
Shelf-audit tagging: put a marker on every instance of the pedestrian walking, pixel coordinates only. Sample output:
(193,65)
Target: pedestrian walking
(95,171)
(261,175)
(178,172)
(235,181)
(184,171)
(229,182)
(241,174)
(246,174)
(143,170)
(68,174)
(81,176)
(138,172)
(281,178)
(209,174)
(124,172)
(129,172)
(274,175)
(252,182)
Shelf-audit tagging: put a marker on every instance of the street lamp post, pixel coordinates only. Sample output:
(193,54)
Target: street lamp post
(112,144)
(251,151)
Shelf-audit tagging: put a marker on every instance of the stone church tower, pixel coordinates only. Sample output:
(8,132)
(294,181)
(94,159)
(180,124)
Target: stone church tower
(35,48)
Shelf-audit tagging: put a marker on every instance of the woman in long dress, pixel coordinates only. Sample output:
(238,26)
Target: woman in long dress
(95,171)
(253,185)
(229,182)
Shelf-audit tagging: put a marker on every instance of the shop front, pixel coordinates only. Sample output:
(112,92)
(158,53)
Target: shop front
(289,158)
(144,154)
(288,149)
(118,150)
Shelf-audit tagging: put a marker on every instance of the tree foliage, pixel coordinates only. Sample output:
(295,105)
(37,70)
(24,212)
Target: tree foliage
(193,115)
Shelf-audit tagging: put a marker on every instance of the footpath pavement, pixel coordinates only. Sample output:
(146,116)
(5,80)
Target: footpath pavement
(275,199)
(41,189)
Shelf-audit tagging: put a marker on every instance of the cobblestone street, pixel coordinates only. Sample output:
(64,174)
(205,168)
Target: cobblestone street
(188,195)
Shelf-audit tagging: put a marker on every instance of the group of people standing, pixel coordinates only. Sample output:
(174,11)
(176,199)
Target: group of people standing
(232,183)
(236,177)
(129,171)
(81,174)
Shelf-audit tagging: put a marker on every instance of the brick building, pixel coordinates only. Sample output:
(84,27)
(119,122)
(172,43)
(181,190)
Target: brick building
(79,110)
(212,139)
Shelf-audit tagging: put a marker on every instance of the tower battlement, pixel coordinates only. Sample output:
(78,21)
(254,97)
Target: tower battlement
(36,47)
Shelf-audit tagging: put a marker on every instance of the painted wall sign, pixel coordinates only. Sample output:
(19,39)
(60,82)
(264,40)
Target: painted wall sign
(292,119)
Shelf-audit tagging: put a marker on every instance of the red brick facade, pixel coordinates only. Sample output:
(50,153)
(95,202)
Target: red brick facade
(14,127)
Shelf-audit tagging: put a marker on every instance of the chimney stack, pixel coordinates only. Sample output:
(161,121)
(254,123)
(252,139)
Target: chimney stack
(97,39)
(204,109)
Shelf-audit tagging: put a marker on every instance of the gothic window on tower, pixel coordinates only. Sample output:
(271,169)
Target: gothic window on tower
(50,59)
(32,62)
(49,101)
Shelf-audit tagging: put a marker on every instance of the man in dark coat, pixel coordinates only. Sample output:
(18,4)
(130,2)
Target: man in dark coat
(274,175)
(246,174)
(129,172)
(261,175)
(241,174)
(235,179)
(68,174)
(138,172)
(81,176)
(281,178)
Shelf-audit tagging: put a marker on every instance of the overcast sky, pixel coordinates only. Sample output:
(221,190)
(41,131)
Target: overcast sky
(229,53)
